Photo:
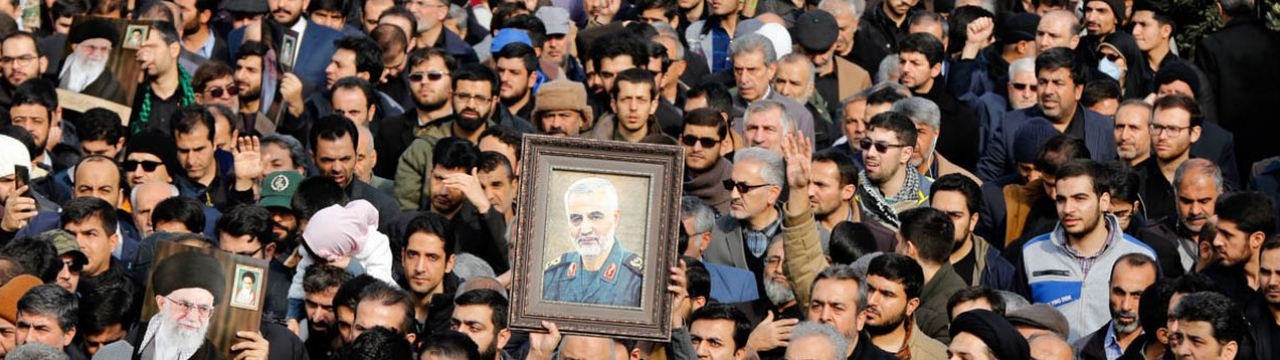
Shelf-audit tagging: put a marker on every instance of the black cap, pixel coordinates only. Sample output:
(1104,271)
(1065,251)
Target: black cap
(1019,27)
(246,6)
(816,30)
(94,28)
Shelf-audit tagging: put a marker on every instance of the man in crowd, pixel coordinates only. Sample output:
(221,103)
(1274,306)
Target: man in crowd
(924,238)
(481,314)
(334,139)
(321,283)
(894,282)
(973,258)
(741,239)
(756,60)
(1130,276)
(1133,133)
(887,184)
(1174,127)
(1244,221)
(702,135)
(1207,325)
(428,258)
(47,315)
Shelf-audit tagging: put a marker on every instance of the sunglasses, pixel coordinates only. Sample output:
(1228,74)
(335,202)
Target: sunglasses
(742,187)
(867,144)
(147,165)
(707,142)
(74,266)
(217,92)
(1023,87)
(430,75)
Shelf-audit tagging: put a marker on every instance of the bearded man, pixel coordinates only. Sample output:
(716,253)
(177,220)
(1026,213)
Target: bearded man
(84,70)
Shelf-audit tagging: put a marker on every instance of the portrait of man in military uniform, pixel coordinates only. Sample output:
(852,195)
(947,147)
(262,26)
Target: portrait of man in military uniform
(597,269)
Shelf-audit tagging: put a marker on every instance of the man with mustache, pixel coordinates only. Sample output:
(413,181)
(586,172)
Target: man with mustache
(1263,315)
(83,70)
(1197,185)
(430,76)
(167,86)
(635,101)
(1132,131)
(1244,221)
(278,188)
(562,109)
(600,270)
(321,283)
(894,283)
(1130,276)
(315,48)
(475,106)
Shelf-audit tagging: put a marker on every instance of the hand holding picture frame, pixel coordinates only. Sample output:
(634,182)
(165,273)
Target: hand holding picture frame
(596,235)
(236,303)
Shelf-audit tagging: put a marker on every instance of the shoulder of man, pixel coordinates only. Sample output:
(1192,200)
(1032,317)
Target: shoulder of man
(561,261)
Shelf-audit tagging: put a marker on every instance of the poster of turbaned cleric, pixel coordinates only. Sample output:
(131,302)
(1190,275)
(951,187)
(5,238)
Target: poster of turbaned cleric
(100,66)
(197,299)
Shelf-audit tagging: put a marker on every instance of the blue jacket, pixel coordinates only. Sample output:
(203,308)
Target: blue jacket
(997,159)
(129,235)
(731,285)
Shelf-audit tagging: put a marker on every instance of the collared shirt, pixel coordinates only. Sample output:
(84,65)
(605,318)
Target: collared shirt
(301,28)
(758,240)
(1086,261)
(1112,342)
(206,50)
(720,39)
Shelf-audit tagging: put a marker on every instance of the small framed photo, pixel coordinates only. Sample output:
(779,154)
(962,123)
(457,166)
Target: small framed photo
(288,50)
(248,287)
(596,235)
(134,35)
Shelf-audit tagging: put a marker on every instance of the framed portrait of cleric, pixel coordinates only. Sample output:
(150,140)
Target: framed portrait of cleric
(202,296)
(98,66)
(595,236)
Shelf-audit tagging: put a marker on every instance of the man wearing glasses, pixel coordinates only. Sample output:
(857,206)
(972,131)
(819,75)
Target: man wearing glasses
(73,260)
(22,61)
(755,221)
(430,77)
(705,170)
(187,287)
(1175,125)
(83,70)
(887,186)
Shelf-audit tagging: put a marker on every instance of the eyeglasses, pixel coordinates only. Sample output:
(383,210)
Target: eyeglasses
(1157,129)
(464,98)
(742,187)
(218,91)
(706,142)
(21,60)
(1023,87)
(202,310)
(881,147)
(430,75)
(147,165)
(74,266)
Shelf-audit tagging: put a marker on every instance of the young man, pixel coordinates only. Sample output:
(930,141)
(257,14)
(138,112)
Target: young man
(1207,325)
(428,258)
(894,282)
(481,314)
(702,136)
(974,259)
(887,184)
(1245,220)
(926,237)
(334,140)
(167,87)
(719,332)
(635,99)
(1175,125)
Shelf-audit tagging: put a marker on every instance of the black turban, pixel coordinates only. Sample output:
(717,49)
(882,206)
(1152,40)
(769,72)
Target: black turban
(94,29)
(1178,70)
(999,335)
(190,269)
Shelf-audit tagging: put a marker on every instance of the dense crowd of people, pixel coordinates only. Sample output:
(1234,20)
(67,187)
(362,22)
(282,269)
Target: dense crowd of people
(886,179)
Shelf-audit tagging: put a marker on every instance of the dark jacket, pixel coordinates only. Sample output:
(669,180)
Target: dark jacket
(997,158)
(931,316)
(386,205)
(876,17)
(1095,344)
(220,193)
(391,137)
(1239,61)
(991,269)
(1163,238)
(134,338)
(959,127)
(314,53)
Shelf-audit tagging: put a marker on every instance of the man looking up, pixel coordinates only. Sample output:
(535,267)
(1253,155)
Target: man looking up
(166,87)
(1245,220)
(1085,231)
(887,186)
(974,259)
(893,296)
(1133,133)
(1174,127)
(1130,276)
(924,238)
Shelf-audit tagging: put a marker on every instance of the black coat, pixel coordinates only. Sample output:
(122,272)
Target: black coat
(1239,61)
(959,127)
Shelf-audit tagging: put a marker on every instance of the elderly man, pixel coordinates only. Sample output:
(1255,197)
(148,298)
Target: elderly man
(754,220)
(755,60)
(47,314)
(795,80)
(1197,185)
(1132,131)
(600,270)
(768,124)
(817,33)
(811,340)
(187,286)
(928,120)
(83,70)
(561,109)
(985,335)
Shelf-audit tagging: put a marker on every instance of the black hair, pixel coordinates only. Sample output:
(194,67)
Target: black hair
(330,5)
(924,44)
(209,71)
(899,268)
(53,301)
(717,94)
(352,82)
(434,224)
(81,209)
(531,25)
(1218,310)
(956,182)
(972,293)
(1086,168)
(520,51)
(368,54)
(99,124)
(391,40)
(1153,312)
(1062,58)
(69,8)
(886,95)
(622,46)
(168,33)
(850,241)
(35,43)
(1179,101)
(315,193)
(35,257)
(489,161)
(334,127)
(378,343)
(319,278)
(698,282)
(1271,243)
(495,301)
(454,153)
(902,127)
(251,48)
(1124,183)
(37,91)
(401,11)
(1098,90)
(1160,11)
(845,165)
(247,219)
(478,73)
(451,344)
(669,7)
(111,297)
(706,117)
(183,209)
(420,55)
(348,294)
(636,75)
(506,135)
(1058,151)
(1250,211)
(385,294)
(741,325)
(930,230)
(250,275)
(188,118)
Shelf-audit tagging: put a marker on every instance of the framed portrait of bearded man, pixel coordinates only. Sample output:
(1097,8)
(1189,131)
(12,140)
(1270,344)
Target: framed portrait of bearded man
(596,233)
(97,66)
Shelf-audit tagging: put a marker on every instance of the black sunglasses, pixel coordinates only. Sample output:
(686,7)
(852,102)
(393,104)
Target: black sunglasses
(217,92)
(742,187)
(74,266)
(707,142)
(147,165)
(866,145)
(1022,87)
(431,75)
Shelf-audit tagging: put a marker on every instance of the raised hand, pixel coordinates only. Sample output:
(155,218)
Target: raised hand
(771,334)
(543,344)
(798,153)
(18,210)
(977,36)
(681,306)
(248,161)
(470,187)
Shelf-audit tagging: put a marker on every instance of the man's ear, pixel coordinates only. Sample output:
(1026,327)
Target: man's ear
(503,337)
(204,16)
(848,191)
(706,242)
(410,336)
(1256,239)
(269,250)
(70,334)
(1104,203)
(935,70)
(973,221)
(912,305)
(44,63)
(1230,349)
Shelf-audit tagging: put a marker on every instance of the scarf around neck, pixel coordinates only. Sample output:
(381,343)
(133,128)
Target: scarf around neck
(882,208)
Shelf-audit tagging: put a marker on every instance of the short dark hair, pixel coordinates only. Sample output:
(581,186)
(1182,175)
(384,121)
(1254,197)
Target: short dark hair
(638,76)
(1086,168)
(520,51)
(532,26)
(319,278)
(1251,211)
(1061,58)
(35,257)
(1123,181)
(837,272)
(899,268)
(495,301)
(930,230)
(628,45)
(385,294)
(1271,243)
(391,39)
(1058,151)
(36,91)
(489,161)
(349,293)
(924,44)
(35,43)
(1218,310)
(53,301)
(902,127)
(741,325)
(454,153)
(251,48)
(111,298)
(1100,89)
(209,71)
(331,5)
(972,293)
(378,343)
(959,183)
(451,344)
(167,31)
(368,54)
(1160,11)
(81,209)
(699,279)
(68,8)
(421,55)
(315,193)
(99,124)
(184,209)
(844,162)
(247,219)
(669,7)
(506,135)
(1153,312)
(334,127)
(850,241)
(885,95)
(477,73)
(706,117)
(1136,260)
(717,94)
(352,82)
(1179,101)
(188,118)
(434,224)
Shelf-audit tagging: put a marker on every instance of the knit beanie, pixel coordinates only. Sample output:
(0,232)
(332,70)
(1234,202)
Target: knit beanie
(11,292)
(1117,7)
(1178,71)
(338,231)
(1030,138)
(562,95)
